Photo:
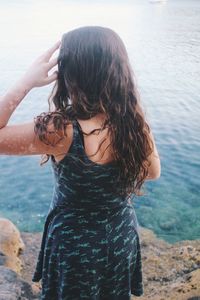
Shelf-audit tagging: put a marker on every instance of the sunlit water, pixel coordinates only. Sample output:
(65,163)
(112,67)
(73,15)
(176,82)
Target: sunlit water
(163,42)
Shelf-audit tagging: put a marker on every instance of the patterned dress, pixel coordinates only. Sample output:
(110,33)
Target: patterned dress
(90,247)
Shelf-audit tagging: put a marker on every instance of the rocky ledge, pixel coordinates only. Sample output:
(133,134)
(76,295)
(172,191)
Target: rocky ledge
(170,271)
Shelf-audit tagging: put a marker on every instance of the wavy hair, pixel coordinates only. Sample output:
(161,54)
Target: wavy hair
(95,76)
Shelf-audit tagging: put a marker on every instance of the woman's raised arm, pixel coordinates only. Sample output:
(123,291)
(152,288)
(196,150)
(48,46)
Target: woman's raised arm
(21,139)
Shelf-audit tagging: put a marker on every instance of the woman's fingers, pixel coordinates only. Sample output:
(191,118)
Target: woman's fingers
(51,77)
(52,63)
(37,74)
(47,55)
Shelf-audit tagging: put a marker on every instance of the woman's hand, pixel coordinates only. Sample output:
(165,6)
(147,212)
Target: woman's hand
(37,74)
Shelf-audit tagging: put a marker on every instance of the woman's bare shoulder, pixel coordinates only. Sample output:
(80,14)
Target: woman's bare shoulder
(62,141)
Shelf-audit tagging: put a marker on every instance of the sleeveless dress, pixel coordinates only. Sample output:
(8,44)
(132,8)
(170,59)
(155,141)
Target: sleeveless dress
(90,246)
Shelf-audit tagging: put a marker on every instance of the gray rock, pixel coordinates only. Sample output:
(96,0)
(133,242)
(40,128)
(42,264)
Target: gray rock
(13,287)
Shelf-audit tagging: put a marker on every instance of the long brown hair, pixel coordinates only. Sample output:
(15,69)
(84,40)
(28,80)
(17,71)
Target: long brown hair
(95,76)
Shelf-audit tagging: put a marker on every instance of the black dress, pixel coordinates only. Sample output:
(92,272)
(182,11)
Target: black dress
(90,246)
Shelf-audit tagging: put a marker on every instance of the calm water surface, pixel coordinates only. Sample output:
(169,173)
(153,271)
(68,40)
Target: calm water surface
(163,42)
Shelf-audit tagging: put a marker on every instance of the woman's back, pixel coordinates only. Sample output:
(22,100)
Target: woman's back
(93,135)
(97,145)
(82,182)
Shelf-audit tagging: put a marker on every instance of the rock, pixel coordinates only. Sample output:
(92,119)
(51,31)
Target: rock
(169,224)
(13,287)
(2,258)
(11,245)
(170,271)
(29,256)
(187,250)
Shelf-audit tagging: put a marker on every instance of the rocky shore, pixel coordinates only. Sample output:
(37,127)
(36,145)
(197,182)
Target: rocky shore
(170,271)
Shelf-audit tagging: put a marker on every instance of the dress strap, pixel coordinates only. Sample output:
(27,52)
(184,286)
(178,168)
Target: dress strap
(80,133)
(77,145)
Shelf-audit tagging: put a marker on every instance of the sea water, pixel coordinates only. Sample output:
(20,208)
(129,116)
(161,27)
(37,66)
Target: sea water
(163,43)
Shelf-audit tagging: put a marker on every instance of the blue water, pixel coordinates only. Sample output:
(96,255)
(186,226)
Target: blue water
(163,42)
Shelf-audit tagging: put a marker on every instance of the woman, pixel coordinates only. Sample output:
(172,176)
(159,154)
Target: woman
(101,150)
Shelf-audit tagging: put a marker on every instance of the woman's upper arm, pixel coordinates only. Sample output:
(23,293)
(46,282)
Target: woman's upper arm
(22,140)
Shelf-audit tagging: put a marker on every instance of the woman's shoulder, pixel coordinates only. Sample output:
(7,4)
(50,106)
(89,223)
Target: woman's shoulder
(62,140)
